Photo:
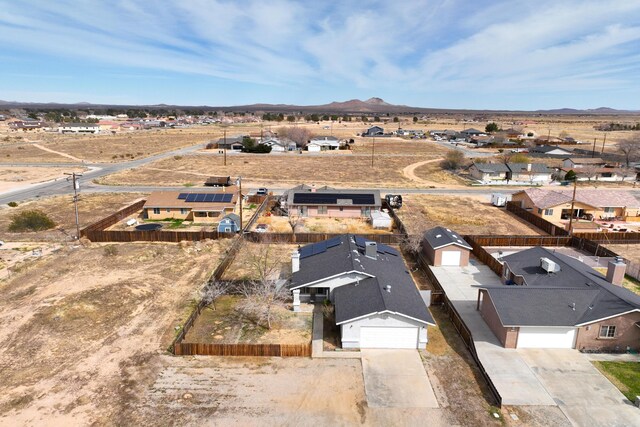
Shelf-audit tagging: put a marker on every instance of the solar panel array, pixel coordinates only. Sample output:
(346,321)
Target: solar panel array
(318,248)
(206,197)
(382,249)
(332,198)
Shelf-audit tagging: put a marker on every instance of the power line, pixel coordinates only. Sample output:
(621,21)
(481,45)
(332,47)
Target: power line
(76,186)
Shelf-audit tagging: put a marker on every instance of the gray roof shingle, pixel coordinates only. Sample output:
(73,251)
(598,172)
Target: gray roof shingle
(439,237)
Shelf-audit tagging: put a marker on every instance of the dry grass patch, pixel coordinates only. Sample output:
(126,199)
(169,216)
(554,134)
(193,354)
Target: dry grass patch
(27,153)
(280,224)
(630,251)
(465,215)
(433,172)
(272,170)
(398,146)
(84,327)
(91,207)
(243,266)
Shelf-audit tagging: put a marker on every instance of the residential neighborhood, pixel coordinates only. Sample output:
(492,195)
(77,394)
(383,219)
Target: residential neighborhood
(301,213)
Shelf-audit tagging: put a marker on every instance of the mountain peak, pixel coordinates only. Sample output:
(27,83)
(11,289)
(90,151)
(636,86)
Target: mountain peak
(376,101)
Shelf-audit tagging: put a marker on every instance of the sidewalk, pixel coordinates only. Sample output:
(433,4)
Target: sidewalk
(317,347)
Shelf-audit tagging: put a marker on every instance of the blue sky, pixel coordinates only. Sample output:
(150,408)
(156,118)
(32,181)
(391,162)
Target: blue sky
(533,54)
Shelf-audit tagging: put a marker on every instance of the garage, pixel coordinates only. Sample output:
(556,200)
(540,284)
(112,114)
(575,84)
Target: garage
(388,337)
(546,337)
(451,258)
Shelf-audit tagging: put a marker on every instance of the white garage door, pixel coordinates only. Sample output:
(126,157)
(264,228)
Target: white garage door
(381,337)
(451,258)
(538,337)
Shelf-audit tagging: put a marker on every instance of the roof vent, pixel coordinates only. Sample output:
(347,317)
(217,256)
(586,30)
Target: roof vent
(371,249)
(549,266)
(438,236)
(573,306)
(388,288)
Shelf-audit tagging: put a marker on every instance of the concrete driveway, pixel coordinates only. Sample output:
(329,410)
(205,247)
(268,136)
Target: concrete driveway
(396,379)
(583,394)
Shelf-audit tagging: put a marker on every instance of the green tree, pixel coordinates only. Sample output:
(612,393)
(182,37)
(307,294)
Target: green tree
(33,116)
(291,119)
(396,120)
(415,119)
(570,176)
(376,118)
(364,119)
(453,160)
(491,127)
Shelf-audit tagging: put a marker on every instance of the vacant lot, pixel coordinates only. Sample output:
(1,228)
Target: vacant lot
(27,153)
(466,215)
(340,170)
(12,177)
(280,224)
(630,251)
(91,208)
(84,328)
(225,324)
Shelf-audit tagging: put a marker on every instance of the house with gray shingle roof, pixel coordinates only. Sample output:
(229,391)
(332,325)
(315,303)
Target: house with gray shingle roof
(377,303)
(529,173)
(551,300)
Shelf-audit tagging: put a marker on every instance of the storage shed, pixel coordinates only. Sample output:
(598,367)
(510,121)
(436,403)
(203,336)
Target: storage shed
(444,247)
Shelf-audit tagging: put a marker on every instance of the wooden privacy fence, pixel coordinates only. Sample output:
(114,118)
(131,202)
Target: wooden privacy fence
(541,223)
(613,238)
(317,237)
(506,240)
(484,256)
(264,203)
(152,236)
(269,350)
(113,218)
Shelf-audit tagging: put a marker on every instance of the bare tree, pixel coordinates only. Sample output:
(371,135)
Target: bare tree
(629,149)
(211,291)
(453,160)
(412,242)
(297,134)
(589,171)
(294,220)
(264,293)
(626,172)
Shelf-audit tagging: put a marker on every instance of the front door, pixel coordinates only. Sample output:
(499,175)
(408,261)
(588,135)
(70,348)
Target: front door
(304,211)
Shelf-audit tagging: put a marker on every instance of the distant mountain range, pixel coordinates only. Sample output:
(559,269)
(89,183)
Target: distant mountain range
(353,106)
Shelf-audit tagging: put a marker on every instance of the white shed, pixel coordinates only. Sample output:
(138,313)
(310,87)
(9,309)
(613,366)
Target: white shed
(380,219)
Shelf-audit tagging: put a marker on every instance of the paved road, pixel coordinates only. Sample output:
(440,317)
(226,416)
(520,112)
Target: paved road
(61,186)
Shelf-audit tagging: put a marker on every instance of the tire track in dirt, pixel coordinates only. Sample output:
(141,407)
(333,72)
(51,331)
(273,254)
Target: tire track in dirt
(59,153)
(409,172)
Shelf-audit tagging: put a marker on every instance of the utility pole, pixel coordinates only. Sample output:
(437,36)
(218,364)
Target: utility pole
(239,182)
(593,152)
(373,149)
(603,141)
(224,148)
(76,186)
(573,201)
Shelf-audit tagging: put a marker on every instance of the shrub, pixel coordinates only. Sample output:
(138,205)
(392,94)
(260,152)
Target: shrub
(31,220)
(110,250)
(453,160)
(12,204)
(570,176)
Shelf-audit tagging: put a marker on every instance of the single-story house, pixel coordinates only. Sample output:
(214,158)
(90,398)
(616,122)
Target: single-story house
(233,144)
(79,128)
(489,171)
(373,131)
(551,300)
(377,304)
(190,206)
(472,132)
(279,145)
(444,247)
(597,173)
(26,124)
(529,172)
(329,202)
(550,150)
(576,163)
(229,224)
(323,143)
(555,205)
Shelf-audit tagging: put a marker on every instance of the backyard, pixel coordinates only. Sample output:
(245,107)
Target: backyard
(224,324)
(280,224)
(463,214)
(246,264)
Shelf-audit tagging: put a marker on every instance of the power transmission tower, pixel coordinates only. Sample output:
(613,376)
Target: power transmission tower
(76,186)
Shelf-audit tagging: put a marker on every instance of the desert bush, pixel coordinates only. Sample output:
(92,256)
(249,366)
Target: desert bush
(30,220)
(110,250)
(12,204)
(453,160)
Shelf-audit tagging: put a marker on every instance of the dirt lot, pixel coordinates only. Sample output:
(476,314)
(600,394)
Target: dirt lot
(84,328)
(245,264)
(339,170)
(91,208)
(280,224)
(12,177)
(225,324)
(28,153)
(466,215)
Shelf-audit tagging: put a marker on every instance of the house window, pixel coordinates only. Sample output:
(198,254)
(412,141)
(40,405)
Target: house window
(540,211)
(609,210)
(322,210)
(365,211)
(156,211)
(607,331)
(341,208)
(183,211)
(548,212)
(168,210)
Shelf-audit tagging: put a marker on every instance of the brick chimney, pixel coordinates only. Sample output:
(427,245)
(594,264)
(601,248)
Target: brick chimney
(371,250)
(615,271)
(295,261)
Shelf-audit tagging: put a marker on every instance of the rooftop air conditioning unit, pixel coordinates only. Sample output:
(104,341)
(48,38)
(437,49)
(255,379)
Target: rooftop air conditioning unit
(549,266)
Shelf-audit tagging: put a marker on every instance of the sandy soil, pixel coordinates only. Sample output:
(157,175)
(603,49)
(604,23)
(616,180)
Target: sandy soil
(630,251)
(27,153)
(15,254)
(91,207)
(83,329)
(12,177)
(244,266)
(466,215)
(280,224)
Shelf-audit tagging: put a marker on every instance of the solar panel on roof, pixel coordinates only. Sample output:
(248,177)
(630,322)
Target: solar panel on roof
(306,251)
(333,242)
(226,198)
(190,198)
(200,197)
(332,198)
(183,195)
